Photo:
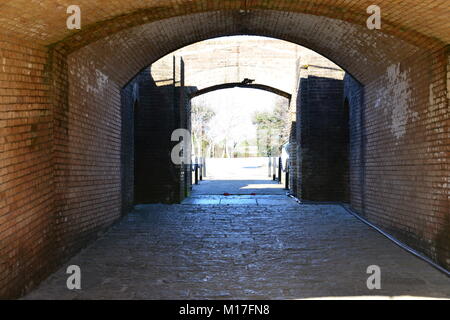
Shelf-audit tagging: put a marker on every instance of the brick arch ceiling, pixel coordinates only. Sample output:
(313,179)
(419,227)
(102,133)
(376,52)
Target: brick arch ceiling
(44,20)
(334,28)
(363,53)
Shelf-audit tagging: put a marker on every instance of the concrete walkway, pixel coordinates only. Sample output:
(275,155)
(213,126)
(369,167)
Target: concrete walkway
(238,187)
(260,200)
(278,250)
(238,176)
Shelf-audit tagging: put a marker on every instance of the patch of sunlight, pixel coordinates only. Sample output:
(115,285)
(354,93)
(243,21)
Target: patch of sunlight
(263,186)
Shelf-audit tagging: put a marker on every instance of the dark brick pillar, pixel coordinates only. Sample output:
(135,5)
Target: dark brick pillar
(150,113)
(354,98)
(130,102)
(293,165)
(323,129)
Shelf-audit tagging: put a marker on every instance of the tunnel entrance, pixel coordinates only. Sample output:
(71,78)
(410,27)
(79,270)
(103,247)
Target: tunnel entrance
(297,145)
(67,113)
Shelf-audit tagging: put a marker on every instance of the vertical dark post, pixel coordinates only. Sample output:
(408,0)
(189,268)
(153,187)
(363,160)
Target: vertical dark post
(274,171)
(286,183)
(204,167)
(201,168)
(196,173)
(270,166)
(279,169)
(196,170)
(192,168)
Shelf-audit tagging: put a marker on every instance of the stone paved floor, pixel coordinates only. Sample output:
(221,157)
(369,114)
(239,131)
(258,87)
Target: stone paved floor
(242,251)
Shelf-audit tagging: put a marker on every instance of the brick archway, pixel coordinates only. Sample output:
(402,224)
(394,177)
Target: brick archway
(257,86)
(364,53)
(60,120)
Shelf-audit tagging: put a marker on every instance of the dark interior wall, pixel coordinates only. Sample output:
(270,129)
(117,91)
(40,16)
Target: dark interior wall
(187,168)
(130,103)
(323,140)
(293,166)
(354,97)
(293,149)
(182,121)
(150,113)
(319,139)
(155,178)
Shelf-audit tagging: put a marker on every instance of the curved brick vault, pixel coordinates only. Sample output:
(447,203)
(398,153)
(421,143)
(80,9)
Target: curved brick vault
(60,101)
(363,53)
(227,61)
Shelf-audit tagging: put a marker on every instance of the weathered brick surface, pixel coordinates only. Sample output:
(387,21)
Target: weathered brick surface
(46,23)
(27,211)
(60,113)
(87,146)
(406,151)
(363,53)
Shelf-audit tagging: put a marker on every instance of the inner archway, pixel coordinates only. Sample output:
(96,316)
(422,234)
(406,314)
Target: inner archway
(241,85)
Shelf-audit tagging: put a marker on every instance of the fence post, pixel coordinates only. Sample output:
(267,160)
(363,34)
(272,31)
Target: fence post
(274,171)
(204,167)
(286,183)
(196,170)
(270,166)
(280,166)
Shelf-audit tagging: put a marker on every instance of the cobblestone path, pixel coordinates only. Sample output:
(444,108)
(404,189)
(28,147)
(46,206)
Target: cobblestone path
(268,248)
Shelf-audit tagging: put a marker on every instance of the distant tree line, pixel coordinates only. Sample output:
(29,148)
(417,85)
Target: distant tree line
(224,136)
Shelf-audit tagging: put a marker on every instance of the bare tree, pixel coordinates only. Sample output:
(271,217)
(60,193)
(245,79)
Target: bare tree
(200,118)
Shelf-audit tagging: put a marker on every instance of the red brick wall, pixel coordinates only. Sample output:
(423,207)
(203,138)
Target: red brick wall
(89,159)
(27,212)
(61,153)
